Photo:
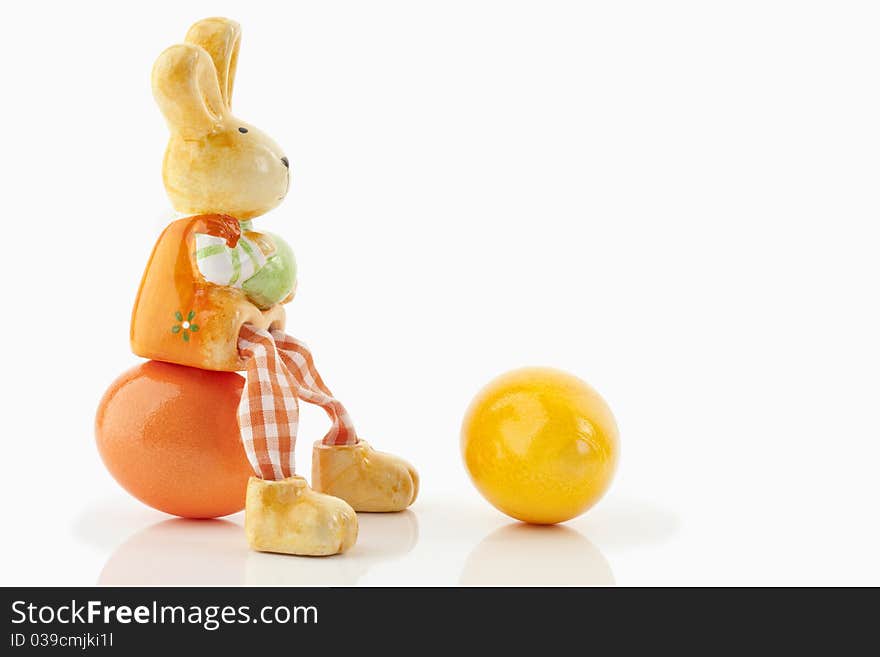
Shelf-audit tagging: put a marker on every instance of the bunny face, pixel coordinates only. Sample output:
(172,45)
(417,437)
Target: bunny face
(214,163)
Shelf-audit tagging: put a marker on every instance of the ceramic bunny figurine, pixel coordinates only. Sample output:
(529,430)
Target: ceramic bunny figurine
(216,272)
(213,279)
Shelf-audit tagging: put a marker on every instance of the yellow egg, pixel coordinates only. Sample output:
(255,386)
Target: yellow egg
(540,444)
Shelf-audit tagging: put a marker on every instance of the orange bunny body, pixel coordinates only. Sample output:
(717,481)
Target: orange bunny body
(179,317)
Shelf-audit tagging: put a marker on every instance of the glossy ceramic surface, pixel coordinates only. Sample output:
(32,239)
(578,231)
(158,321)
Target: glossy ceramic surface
(179,317)
(214,162)
(224,171)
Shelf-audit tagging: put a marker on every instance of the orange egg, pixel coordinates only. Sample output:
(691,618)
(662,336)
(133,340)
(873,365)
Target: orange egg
(169,435)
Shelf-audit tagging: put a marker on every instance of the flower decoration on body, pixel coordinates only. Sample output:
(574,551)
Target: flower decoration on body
(185,326)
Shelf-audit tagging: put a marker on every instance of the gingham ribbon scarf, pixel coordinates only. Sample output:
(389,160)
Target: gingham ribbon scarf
(279,370)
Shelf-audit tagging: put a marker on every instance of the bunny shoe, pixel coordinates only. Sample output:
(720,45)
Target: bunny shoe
(368,480)
(288,517)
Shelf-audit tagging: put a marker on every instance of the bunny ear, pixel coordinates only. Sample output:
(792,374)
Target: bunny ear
(221,38)
(185,87)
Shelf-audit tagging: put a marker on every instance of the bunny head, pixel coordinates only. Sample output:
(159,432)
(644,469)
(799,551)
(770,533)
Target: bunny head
(214,163)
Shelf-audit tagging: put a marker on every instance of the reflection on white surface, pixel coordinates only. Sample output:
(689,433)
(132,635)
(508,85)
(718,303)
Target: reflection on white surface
(180,552)
(214,552)
(440,542)
(105,523)
(533,555)
(381,537)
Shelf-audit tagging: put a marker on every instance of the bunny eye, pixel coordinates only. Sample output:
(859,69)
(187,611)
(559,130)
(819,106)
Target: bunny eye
(243,131)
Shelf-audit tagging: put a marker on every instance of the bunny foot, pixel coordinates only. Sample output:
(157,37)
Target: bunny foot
(289,517)
(368,480)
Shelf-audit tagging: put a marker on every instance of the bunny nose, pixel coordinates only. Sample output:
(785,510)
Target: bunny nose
(285,162)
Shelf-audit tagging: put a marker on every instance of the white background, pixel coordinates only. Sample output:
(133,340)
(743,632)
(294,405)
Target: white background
(676,201)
